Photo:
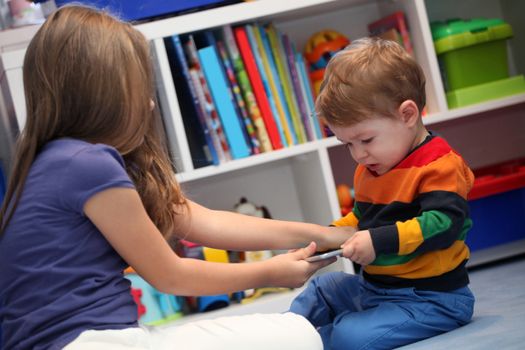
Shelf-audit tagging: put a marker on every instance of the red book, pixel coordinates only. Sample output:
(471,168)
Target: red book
(257,85)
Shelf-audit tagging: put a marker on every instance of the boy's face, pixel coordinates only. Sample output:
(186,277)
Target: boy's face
(379,143)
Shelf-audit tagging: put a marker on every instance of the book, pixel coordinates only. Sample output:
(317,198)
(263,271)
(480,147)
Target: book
(307,91)
(203,92)
(302,130)
(257,85)
(246,89)
(258,52)
(214,74)
(395,21)
(194,74)
(199,141)
(232,79)
(207,38)
(275,85)
(301,87)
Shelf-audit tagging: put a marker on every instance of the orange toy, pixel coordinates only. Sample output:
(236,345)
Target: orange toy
(344,196)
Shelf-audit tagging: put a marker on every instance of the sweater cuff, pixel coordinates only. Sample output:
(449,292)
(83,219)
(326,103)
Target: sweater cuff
(385,239)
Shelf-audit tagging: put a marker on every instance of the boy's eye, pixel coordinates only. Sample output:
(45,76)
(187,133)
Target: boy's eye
(367,140)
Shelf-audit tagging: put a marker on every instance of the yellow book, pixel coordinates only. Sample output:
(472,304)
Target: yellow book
(286,83)
(290,139)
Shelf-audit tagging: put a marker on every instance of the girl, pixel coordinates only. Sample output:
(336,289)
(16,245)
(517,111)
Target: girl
(93,191)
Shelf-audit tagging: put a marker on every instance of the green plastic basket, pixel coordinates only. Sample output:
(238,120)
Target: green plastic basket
(471,52)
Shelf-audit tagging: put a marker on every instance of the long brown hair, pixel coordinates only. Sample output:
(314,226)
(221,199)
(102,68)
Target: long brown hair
(89,76)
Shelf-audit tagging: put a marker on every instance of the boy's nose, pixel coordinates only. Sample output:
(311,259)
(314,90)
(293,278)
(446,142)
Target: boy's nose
(359,154)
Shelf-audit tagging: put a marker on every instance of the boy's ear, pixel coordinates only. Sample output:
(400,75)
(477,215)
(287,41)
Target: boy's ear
(408,112)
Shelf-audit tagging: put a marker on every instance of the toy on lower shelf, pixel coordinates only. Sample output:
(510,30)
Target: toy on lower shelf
(345,198)
(248,208)
(153,307)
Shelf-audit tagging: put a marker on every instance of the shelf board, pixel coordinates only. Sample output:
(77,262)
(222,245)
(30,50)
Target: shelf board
(457,113)
(239,13)
(17,38)
(250,161)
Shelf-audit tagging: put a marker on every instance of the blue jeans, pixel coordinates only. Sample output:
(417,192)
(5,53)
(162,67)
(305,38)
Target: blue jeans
(350,313)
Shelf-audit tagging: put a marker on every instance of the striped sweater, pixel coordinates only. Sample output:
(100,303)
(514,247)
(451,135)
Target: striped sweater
(418,218)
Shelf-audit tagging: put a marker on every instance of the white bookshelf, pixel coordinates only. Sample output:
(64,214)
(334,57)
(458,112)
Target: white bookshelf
(298,183)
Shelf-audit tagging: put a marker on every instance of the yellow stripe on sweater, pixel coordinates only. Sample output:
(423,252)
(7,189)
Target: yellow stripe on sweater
(430,264)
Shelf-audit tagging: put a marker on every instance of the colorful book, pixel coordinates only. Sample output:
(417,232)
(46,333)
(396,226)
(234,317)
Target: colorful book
(258,52)
(203,92)
(305,85)
(302,89)
(199,141)
(395,21)
(247,55)
(275,85)
(207,38)
(220,92)
(303,131)
(236,90)
(202,99)
(246,89)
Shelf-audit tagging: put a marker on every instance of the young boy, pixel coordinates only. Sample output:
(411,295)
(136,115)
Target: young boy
(410,215)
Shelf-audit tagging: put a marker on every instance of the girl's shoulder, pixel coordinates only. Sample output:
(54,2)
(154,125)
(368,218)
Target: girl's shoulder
(68,151)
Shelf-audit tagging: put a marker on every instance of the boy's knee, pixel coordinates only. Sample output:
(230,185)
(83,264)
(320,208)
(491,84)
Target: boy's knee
(328,280)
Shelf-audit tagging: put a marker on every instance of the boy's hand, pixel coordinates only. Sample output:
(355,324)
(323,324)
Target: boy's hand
(334,237)
(359,248)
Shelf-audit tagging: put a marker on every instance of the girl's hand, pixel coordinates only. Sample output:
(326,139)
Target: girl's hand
(359,248)
(291,270)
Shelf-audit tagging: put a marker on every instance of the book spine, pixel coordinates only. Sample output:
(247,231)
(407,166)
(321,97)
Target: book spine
(307,91)
(220,93)
(209,106)
(299,89)
(285,79)
(258,88)
(258,53)
(230,74)
(275,85)
(196,128)
(246,90)
(202,100)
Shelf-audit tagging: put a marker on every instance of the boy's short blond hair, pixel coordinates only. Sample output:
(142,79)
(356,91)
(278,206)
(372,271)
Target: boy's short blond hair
(369,78)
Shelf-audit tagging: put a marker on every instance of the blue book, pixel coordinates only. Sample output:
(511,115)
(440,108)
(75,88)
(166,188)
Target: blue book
(308,92)
(220,92)
(202,150)
(205,39)
(260,65)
